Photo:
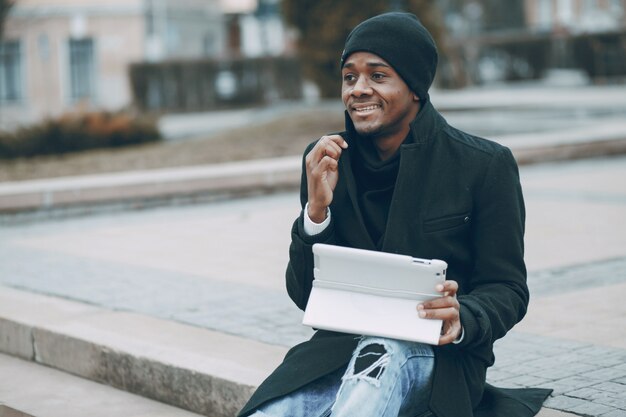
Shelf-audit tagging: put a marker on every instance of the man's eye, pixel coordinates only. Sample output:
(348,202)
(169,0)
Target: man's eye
(349,77)
(377,76)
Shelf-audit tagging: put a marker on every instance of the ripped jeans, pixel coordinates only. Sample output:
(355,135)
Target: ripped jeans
(385,378)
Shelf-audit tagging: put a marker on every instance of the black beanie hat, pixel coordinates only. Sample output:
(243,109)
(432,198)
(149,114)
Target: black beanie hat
(402,41)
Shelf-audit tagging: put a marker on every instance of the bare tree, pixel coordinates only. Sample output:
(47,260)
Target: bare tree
(324,24)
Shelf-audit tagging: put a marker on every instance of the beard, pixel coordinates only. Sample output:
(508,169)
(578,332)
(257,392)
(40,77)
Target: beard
(368,132)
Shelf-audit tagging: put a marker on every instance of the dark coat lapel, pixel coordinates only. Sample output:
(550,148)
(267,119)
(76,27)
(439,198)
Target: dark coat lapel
(405,212)
(405,203)
(408,191)
(346,192)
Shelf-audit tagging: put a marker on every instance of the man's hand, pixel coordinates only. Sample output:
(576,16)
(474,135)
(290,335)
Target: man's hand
(322,175)
(445,308)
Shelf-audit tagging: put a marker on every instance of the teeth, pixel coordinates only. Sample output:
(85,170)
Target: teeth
(368,108)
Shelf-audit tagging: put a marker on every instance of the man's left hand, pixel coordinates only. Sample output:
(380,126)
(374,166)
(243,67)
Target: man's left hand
(444,308)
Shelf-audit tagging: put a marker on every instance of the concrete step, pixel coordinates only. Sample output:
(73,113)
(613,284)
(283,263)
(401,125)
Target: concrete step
(206,372)
(28,389)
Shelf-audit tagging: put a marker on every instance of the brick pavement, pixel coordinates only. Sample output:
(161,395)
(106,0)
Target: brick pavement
(586,379)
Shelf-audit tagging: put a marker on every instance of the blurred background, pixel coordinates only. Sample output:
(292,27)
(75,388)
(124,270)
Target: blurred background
(166,55)
(81,74)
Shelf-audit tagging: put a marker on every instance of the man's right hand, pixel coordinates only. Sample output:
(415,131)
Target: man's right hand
(322,174)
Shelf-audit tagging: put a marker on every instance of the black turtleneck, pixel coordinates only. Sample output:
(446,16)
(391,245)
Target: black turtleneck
(375,181)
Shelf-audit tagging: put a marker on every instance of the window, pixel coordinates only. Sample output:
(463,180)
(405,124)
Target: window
(590,6)
(10,71)
(81,69)
(565,12)
(544,14)
(617,7)
(208,44)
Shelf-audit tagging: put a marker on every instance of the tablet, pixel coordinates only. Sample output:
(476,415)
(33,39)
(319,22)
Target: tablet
(373,293)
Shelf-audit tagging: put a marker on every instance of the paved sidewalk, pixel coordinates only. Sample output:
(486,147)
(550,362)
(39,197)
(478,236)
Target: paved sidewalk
(221,267)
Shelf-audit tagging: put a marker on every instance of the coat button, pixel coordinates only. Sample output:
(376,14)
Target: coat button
(466,219)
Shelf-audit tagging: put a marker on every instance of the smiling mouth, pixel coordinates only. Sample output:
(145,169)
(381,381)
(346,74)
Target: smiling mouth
(366,108)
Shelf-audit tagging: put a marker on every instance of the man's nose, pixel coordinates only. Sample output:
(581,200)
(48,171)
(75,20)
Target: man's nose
(361,87)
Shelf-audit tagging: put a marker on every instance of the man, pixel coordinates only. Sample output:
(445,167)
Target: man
(401,180)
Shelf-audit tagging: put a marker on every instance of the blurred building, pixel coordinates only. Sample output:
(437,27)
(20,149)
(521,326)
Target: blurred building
(576,15)
(257,66)
(254,68)
(491,40)
(61,55)
(255,28)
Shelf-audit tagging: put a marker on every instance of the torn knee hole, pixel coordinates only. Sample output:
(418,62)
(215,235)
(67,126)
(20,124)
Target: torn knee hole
(371,361)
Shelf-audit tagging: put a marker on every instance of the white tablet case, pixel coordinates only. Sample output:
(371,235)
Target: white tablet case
(373,293)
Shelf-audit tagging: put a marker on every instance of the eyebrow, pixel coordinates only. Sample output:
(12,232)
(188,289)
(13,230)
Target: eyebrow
(373,64)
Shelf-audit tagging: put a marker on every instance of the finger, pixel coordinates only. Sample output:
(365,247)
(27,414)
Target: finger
(441,302)
(329,147)
(325,147)
(326,164)
(448,287)
(449,313)
(316,156)
(450,335)
(339,140)
(333,140)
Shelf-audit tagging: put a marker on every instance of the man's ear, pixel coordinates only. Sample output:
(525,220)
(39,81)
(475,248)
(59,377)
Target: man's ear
(415,97)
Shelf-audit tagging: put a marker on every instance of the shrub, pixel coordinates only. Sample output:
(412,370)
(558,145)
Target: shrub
(74,132)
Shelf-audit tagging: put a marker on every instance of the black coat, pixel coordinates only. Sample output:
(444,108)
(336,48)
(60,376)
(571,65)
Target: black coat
(458,198)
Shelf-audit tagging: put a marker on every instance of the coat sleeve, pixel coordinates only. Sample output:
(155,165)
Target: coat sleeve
(299,275)
(497,295)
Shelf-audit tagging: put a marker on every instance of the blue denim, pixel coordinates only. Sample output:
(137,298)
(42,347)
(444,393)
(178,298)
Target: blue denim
(394,382)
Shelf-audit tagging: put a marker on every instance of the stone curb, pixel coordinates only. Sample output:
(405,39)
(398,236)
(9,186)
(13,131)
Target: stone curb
(155,187)
(221,179)
(240,178)
(6,411)
(195,369)
(569,151)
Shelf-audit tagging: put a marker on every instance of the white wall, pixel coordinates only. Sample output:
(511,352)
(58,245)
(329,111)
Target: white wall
(191,28)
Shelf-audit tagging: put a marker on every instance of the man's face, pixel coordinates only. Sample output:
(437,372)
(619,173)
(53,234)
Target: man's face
(377,99)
